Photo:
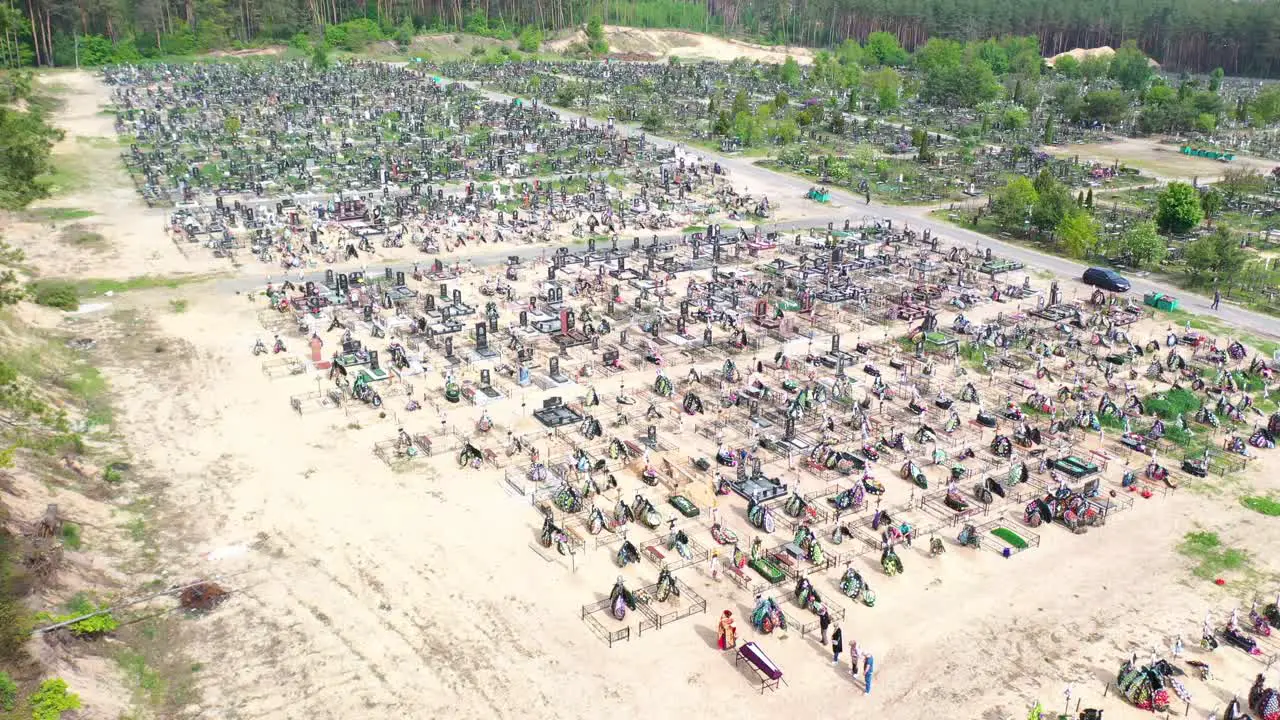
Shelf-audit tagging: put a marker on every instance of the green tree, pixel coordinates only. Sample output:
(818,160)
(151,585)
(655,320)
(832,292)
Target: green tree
(1215,79)
(530,39)
(1144,245)
(790,71)
(883,84)
(231,125)
(1200,257)
(1053,203)
(1078,233)
(1050,132)
(26,144)
(1067,66)
(595,36)
(1178,208)
(320,57)
(837,125)
(882,48)
(1130,67)
(1104,106)
(405,32)
(1210,203)
(1264,109)
(1011,204)
(1094,68)
(740,103)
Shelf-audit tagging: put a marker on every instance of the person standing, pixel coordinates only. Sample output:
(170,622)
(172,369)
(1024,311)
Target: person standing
(837,644)
(824,622)
(855,654)
(727,634)
(1217,298)
(715,566)
(868,666)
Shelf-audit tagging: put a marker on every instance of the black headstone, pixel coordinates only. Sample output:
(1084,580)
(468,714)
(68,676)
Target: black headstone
(448,346)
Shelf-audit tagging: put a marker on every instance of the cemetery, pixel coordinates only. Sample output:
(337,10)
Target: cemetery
(639,396)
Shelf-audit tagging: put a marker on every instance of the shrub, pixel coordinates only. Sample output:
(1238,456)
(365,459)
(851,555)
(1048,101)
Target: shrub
(1170,404)
(8,692)
(530,39)
(52,699)
(56,293)
(71,536)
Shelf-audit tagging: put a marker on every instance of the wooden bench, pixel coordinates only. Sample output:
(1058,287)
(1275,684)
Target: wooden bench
(738,577)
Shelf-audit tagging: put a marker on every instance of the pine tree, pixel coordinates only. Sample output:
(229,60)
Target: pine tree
(1088,199)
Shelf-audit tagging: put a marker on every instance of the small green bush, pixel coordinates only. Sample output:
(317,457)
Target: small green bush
(56,293)
(71,536)
(1170,404)
(53,699)
(8,692)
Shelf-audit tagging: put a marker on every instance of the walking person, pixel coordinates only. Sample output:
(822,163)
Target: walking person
(868,666)
(837,644)
(824,621)
(1217,298)
(715,566)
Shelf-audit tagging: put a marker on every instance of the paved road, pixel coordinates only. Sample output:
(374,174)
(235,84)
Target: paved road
(789,189)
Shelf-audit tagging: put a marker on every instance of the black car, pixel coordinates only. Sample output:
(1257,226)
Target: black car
(1105,279)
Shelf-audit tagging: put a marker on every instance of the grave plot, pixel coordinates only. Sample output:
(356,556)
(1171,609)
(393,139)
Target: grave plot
(400,451)
(678,601)
(308,402)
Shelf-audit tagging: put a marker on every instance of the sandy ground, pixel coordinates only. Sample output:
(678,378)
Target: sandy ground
(685,45)
(365,591)
(94,181)
(1163,161)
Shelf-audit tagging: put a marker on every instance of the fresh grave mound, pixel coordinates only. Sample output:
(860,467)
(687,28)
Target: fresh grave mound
(1010,537)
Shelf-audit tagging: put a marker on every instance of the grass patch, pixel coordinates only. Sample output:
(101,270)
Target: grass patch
(79,236)
(140,677)
(1265,506)
(178,305)
(59,294)
(1211,557)
(1168,405)
(92,287)
(974,357)
(71,536)
(56,214)
(137,529)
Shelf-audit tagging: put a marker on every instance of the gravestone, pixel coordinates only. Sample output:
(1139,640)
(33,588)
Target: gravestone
(342,283)
(444,292)
(610,357)
(524,318)
(457,297)
(493,324)
(329,279)
(400,278)
(706,335)
(429,303)
(835,343)
(680,326)
(373,360)
(448,347)
(485,379)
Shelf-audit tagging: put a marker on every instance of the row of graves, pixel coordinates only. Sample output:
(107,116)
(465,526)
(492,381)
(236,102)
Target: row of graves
(308,230)
(269,129)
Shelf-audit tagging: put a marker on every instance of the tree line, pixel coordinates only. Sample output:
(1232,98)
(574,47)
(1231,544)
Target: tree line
(1191,35)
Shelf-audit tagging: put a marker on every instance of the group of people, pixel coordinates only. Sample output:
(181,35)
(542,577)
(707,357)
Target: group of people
(727,639)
